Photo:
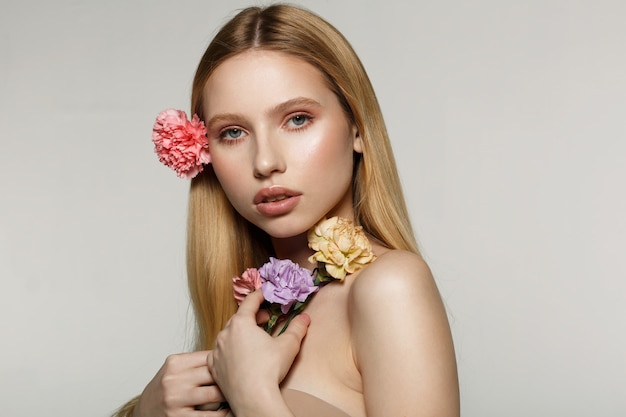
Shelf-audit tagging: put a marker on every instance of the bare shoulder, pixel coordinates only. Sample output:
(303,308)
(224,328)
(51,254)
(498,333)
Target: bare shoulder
(400,339)
(396,273)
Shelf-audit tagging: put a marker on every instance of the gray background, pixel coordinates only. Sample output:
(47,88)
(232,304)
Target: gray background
(508,123)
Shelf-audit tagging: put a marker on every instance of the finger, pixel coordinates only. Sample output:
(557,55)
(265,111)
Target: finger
(201,375)
(208,413)
(251,303)
(183,363)
(292,337)
(206,395)
(209,360)
(198,358)
(262,316)
(209,407)
(188,360)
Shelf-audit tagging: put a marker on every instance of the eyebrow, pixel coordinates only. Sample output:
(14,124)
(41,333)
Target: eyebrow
(294,102)
(279,108)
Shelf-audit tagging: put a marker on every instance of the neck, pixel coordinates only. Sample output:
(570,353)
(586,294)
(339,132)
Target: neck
(295,248)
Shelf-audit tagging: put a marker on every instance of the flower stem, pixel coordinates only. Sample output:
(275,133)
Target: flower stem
(294,314)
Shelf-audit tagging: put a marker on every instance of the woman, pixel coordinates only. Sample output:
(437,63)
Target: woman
(295,134)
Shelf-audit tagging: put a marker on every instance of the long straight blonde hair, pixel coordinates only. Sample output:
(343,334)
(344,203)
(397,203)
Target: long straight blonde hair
(221,243)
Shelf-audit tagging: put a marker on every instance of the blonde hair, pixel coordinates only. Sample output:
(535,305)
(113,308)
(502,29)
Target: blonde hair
(221,244)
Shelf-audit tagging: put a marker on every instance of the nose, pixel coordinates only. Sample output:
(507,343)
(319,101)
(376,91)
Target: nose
(269,158)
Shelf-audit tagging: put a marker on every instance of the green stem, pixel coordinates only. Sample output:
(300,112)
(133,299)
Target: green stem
(294,314)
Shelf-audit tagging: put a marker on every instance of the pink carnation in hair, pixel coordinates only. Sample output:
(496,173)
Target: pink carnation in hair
(181,144)
(249,281)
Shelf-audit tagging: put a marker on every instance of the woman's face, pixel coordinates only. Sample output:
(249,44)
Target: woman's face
(281,145)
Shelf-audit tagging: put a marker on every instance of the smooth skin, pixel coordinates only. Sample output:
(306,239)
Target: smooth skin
(377,344)
(244,351)
(273,123)
(181,385)
(398,348)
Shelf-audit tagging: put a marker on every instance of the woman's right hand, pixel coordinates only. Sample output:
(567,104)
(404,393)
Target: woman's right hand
(183,387)
(248,360)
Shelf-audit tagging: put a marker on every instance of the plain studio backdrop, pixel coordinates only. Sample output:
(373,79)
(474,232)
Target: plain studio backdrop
(508,121)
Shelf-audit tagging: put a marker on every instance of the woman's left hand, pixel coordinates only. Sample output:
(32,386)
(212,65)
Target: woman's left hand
(248,360)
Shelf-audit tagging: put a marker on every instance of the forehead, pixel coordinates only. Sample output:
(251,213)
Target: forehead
(257,78)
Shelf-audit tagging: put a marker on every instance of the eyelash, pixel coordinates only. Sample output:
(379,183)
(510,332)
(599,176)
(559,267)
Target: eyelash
(222,134)
(308,119)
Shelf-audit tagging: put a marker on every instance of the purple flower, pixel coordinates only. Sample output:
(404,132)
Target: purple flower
(285,282)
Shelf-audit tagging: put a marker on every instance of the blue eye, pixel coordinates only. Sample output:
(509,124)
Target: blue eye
(299,119)
(231,134)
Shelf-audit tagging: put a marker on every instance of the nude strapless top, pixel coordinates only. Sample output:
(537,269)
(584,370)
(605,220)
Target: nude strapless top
(302,404)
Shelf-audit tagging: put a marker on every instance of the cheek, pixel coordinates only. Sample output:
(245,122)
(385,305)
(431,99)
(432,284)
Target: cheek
(226,163)
(221,168)
(229,174)
(325,149)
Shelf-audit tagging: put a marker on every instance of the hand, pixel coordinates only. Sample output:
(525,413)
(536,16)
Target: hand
(248,360)
(182,388)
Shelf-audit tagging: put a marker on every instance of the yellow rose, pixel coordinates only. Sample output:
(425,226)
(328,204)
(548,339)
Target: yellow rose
(341,246)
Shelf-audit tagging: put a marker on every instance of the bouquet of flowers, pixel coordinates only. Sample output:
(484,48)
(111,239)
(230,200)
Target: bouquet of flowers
(341,248)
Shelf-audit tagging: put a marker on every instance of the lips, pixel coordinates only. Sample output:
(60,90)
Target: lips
(273,199)
(276,200)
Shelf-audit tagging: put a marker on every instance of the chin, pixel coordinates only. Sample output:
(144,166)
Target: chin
(285,228)
(285,233)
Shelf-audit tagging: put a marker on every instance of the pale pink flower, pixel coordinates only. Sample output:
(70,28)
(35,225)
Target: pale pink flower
(341,246)
(249,281)
(181,144)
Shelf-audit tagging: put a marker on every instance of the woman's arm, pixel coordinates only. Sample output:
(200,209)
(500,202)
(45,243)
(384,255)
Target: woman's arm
(248,364)
(402,342)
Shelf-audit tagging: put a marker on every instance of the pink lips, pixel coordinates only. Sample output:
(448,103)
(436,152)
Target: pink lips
(276,200)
